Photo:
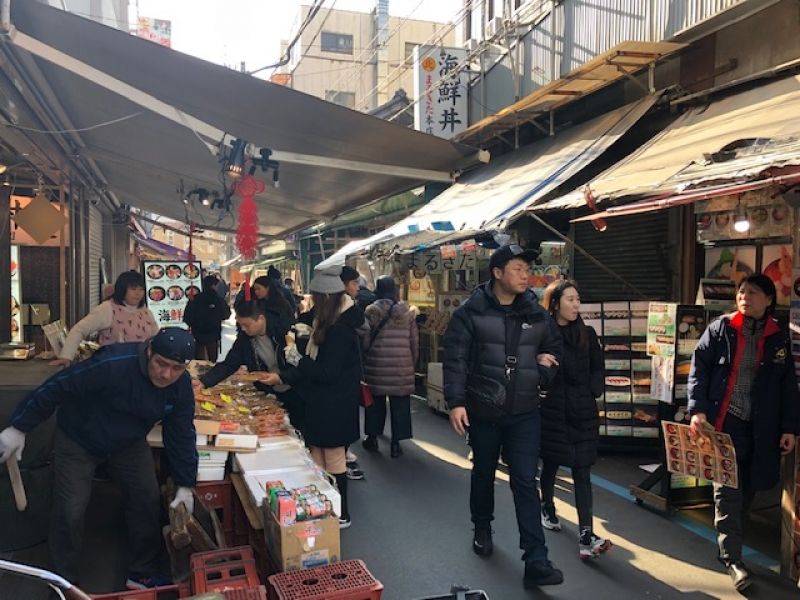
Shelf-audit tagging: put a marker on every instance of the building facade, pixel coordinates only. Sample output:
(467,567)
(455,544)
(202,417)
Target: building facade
(112,13)
(359,60)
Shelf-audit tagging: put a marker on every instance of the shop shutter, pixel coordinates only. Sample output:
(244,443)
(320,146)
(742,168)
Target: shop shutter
(634,247)
(95,252)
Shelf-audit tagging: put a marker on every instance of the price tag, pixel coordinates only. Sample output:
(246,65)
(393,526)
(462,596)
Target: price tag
(244,410)
(226,399)
(210,407)
(228,427)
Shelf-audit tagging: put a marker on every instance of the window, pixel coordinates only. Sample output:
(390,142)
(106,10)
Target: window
(340,43)
(410,52)
(347,99)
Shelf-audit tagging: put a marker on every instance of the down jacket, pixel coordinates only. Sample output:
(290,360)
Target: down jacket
(774,393)
(389,363)
(475,343)
(569,410)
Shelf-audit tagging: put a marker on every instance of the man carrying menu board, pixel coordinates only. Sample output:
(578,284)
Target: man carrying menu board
(743,383)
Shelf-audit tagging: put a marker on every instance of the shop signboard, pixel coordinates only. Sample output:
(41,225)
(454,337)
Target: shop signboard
(155,30)
(661,329)
(433,262)
(440,88)
(768,217)
(169,285)
(420,291)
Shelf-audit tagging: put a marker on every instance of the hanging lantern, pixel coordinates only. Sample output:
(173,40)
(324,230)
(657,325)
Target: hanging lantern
(247,227)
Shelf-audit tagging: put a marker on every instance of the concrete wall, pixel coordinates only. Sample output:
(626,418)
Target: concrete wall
(316,72)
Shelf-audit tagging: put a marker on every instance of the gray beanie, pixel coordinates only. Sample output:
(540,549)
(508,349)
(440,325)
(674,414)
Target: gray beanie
(327,282)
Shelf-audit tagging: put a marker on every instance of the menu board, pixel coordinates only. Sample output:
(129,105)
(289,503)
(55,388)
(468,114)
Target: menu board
(626,408)
(712,459)
(16,299)
(168,287)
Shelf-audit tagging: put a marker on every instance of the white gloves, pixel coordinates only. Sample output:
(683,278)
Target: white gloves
(186,496)
(292,355)
(12,440)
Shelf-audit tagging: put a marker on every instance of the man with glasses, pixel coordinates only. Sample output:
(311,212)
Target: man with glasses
(500,347)
(106,406)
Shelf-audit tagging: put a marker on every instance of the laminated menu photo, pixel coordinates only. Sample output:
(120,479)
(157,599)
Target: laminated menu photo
(711,456)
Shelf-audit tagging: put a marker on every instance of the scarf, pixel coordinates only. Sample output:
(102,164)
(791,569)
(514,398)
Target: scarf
(312,350)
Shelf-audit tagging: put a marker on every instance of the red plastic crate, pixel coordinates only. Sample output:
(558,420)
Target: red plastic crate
(166,592)
(259,593)
(218,495)
(346,580)
(222,570)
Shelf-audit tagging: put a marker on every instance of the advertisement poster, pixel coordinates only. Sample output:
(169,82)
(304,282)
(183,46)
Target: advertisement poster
(420,291)
(168,287)
(661,329)
(733,263)
(713,459)
(777,261)
(16,300)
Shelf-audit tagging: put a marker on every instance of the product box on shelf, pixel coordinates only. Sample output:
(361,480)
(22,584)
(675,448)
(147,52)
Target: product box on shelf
(304,545)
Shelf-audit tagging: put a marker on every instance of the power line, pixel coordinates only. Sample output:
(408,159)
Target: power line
(286,56)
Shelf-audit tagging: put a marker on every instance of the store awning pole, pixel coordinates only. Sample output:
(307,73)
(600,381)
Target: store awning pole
(201,128)
(570,242)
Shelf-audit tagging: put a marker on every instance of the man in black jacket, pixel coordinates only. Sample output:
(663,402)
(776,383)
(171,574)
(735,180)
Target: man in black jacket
(204,315)
(500,343)
(259,346)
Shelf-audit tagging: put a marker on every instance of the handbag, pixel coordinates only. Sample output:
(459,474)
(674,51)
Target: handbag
(365,397)
(486,397)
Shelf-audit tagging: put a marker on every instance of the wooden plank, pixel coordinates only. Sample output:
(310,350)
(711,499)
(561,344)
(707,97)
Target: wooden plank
(649,497)
(250,509)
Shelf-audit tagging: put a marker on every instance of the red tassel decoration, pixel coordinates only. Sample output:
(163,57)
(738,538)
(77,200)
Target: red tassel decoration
(247,228)
(247,291)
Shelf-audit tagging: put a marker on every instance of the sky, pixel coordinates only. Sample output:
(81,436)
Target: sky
(230,31)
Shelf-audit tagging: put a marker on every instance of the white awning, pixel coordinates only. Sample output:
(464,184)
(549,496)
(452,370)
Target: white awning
(150,118)
(491,197)
(732,140)
(337,259)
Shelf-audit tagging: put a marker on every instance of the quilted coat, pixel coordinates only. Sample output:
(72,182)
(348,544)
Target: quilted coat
(389,362)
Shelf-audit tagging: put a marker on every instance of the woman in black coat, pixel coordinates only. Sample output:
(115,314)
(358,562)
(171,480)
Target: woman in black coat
(569,414)
(327,379)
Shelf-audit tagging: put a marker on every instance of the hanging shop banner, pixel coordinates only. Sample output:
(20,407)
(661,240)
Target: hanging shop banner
(661,329)
(50,220)
(439,87)
(16,299)
(168,287)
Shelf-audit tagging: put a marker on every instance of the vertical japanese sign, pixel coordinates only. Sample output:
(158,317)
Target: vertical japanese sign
(169,285)
(440,86)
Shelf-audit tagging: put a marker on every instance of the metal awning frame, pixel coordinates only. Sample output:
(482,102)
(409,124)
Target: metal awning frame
(531,108)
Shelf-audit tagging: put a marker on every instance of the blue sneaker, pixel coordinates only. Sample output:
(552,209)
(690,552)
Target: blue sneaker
(136,582)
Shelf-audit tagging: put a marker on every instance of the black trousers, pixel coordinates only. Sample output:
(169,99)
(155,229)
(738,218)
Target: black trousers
(518,438)
(134,472)
(581,477)
(731,504)
(208,350)
(400,408)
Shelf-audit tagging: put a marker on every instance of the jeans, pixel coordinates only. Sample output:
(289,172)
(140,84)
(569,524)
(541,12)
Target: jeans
(581,478)
(731,505)
(400,408)
(518,437)
(134,472)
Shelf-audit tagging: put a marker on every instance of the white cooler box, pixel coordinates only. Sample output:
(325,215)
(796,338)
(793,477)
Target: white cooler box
(288,453)
(436,387)
(292,477)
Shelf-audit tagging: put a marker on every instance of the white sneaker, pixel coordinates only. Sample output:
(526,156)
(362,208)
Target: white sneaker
(592,546)
(344,522)
(350,457)
(550,521)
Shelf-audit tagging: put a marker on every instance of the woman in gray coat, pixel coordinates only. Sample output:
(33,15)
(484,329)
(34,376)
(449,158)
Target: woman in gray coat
(390,355)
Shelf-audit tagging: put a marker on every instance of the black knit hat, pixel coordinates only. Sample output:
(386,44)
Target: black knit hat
(385,288)
(348,274)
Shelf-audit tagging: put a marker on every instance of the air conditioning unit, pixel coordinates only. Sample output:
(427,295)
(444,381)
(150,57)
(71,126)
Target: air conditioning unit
(494,27)
(471,45)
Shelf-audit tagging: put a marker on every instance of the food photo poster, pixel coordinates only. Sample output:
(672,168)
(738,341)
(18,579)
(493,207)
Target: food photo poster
(169,285)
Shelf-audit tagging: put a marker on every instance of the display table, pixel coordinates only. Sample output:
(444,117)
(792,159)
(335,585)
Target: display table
(23,529)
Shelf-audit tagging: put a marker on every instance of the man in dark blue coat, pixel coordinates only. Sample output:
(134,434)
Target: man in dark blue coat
(743,383)
(501,344)
(106,406)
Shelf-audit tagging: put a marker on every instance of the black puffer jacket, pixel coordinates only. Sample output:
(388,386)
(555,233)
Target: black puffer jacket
(475,343)
(329,384)
(569,410)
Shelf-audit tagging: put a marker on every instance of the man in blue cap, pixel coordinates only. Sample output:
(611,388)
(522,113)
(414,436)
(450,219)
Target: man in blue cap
(106,406)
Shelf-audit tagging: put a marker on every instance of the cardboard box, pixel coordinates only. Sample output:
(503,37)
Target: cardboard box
(233,440)
(304,545)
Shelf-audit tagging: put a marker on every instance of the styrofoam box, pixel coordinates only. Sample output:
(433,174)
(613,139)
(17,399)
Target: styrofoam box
(276,457)
(211,473)
(212,456)
(435,375)
(292,477)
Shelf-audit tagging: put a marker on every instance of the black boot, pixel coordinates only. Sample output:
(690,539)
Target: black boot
(370,443)
(482,541)
(395,449)
(341,483)
(541,572)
